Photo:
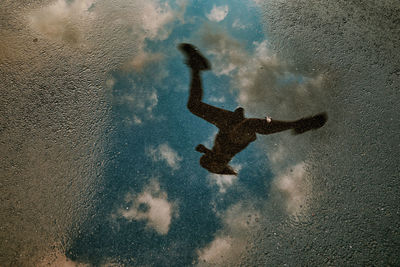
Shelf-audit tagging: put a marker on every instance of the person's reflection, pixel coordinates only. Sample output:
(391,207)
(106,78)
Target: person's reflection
(235,131)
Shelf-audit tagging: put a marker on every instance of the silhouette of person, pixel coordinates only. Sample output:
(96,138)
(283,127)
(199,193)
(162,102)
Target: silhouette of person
(235,131)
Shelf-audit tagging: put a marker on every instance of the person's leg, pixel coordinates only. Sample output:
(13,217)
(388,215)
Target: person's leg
(217,116)
(196,90)
(197,63)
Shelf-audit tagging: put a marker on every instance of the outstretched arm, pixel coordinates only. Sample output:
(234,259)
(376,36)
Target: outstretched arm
(270,126)
(202,149)
(267,125)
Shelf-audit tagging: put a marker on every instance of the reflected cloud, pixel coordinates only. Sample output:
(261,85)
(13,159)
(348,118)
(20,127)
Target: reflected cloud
(265,83)
(62,20)
(224,181)
(59,259)
(151,206)
(165,153)
(76,21)
(238,25)
(295,188)
(110,82)
(143,59)
(214,253)
(140,102)
(228,53)
(158,15)
(217,99)
(218,13)
(231,240)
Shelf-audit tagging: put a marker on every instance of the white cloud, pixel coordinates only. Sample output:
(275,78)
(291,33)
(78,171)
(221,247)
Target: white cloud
(217,99)
(140,102)
(154,18)
(155,23)
(277,154)
(153,101)
(231,240)
(110,82)
(116,31)
(265,84)
(165,153)
(223,181)
(137,120)
(238,25)
(295,188)
(152,206)
(61,20)
(142,59)
(228,54)
(65,20)
(218,13)
(58,259)
(214,252)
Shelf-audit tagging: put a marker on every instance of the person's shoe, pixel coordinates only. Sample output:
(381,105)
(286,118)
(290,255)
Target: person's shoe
(310,123)
(195,59)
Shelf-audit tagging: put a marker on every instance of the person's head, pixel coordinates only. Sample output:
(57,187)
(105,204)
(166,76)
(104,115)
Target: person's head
(239,113)
(213,164)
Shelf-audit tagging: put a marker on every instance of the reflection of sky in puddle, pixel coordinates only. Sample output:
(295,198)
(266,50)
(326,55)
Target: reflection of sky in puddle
(160,207)
(72,69)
